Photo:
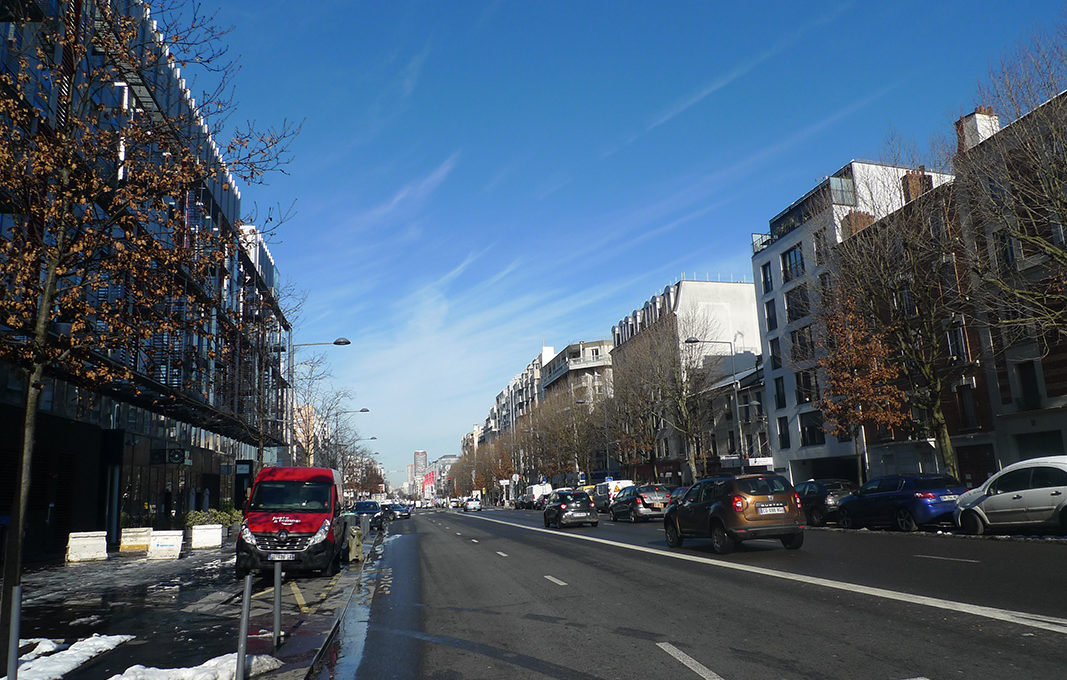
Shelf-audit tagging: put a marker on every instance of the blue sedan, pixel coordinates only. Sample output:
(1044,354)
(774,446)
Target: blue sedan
(903,502)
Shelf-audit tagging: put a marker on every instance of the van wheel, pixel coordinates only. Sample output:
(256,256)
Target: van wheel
(972,524)
(721,541)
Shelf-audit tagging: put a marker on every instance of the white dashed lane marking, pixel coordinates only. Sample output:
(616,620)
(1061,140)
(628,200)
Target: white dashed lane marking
(689,662)
(501,554)
(555,580)
(947,559)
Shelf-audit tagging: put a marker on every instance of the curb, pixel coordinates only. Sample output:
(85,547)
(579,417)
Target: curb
(302,664)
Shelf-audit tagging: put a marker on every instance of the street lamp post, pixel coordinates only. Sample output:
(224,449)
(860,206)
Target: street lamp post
(289,370)
(692,340)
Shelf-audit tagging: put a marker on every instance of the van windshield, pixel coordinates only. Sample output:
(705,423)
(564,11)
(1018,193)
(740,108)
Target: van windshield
(291,496)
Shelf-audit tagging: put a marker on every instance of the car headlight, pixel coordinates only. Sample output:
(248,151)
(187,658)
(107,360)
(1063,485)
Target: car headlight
(246,535)
(323,531)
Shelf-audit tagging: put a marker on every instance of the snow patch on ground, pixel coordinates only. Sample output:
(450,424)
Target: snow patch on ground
(44,646)
(59,661)
(220,668)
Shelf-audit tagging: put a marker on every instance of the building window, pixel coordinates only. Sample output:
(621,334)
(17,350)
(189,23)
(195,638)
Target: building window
(821,253)
(1005,250)
(957,345)
(803,345)
(783,433)
(968,407)
(772,315)
(768,280)
(792,263)
(1029,394)
(842,191)
(807,387)
(811,433)
(776,353)
(779,393)
(796,303)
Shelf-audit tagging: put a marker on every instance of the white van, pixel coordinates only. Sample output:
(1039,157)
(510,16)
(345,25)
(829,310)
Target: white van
(605,492)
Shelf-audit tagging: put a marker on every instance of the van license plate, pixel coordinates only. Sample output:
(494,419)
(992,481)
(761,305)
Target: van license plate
(279,557)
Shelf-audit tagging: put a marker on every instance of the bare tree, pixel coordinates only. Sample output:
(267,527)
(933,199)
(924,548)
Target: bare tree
(1014,189)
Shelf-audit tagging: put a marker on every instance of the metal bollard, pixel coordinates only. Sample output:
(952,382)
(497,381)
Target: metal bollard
(364,524)
(355,544)
(277,605)
(242,637)
(13,639)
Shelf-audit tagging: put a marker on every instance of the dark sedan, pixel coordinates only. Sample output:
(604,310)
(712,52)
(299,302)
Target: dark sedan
(568,508)
(370,508)
(903,502)
(820,498)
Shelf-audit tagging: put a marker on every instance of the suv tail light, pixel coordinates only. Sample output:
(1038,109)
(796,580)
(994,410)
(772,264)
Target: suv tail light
(796,497)
(562,506)
(926,495)
(739,503)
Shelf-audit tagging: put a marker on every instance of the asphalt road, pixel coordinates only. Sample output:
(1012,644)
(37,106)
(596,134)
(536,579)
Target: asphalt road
(495,595)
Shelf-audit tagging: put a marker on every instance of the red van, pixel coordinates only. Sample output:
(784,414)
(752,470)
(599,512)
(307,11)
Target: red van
(293,516)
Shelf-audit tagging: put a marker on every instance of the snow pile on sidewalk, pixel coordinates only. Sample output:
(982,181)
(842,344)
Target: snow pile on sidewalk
(50,661)
(220,668)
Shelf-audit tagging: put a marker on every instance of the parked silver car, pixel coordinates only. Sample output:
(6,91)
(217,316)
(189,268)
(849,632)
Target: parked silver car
(643,502)
(1028,494)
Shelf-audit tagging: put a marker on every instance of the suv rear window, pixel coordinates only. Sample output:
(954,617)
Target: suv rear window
(762,486)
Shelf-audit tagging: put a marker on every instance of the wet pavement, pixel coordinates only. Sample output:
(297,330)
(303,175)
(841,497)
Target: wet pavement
(184,612)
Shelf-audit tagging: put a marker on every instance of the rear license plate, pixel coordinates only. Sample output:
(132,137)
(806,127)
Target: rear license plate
(772,511)
(950,497)
(279,557)
(658,506)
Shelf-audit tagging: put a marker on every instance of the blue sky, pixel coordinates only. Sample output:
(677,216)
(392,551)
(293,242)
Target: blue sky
(474,179)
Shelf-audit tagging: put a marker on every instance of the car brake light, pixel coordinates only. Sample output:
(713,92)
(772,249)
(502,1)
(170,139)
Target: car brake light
(928,495)
(739,503)
(796,497)
(637,499)
(563,506)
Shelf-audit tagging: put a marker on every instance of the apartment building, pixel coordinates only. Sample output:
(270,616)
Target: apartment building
(582,371)
(517,399)
(1009,213)
(789,267)
(698,325)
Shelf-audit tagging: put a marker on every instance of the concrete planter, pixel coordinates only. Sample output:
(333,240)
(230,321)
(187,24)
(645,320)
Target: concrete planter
(205,536)
(87,546)
(135,539)
(165,545)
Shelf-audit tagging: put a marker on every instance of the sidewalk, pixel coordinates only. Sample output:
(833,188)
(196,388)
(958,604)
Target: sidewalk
(180,613)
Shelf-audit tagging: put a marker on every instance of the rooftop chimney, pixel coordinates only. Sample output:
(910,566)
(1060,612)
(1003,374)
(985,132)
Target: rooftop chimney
(915,183)
(975,128)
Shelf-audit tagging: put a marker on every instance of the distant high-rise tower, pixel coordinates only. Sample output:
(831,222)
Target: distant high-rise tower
(420,464)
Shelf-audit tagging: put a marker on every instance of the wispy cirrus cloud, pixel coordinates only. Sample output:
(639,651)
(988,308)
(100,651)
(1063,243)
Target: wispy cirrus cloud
(411,195)
(703,92)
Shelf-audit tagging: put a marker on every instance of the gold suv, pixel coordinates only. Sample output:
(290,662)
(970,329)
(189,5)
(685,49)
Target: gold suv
(729,509)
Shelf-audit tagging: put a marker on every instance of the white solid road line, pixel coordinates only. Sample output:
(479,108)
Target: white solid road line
(948,559)
(689,662)
(501,554)
(1040,621)
(555,580)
